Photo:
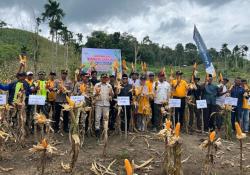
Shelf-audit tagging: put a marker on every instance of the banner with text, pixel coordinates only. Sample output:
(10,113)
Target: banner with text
(103,58)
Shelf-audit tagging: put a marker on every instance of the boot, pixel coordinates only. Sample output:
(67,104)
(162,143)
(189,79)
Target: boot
(97,133)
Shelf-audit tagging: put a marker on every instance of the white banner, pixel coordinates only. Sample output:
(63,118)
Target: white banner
(36,100)
(174,103)
(3,99)
(201,104)
(231,101)
(123,101)
(78,99)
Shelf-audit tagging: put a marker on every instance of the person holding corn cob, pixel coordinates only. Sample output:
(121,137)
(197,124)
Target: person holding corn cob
(63,87)
(103,94)
(179,91)
(237,91)
(161,90)
(144,110)
(245,107)
(42,90)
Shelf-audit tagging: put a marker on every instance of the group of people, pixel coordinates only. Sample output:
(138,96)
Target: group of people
(148,93)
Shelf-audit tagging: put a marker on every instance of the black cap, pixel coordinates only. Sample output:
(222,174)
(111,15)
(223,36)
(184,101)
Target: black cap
(178,72)
(21,74)
(104,75)
(210,75)
(64,71)
(143,77)
(41,73)
(225,79)
(134,73)
(111,76)
(93,72)
(84,74)
(151,74)
(197,78)
(124,76)
(52,73)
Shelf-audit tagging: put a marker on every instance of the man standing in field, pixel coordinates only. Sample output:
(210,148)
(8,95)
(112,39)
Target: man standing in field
(245,107)
(42,90)
(103,94)
(179,91)
(50,86)
(161,90)
(64,87)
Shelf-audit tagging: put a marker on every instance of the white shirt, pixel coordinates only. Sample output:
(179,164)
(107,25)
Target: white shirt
(104,98)
(161,92)
(221,99)
(135,83)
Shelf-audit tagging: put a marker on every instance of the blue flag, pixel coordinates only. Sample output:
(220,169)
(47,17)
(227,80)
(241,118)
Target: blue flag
(203,52)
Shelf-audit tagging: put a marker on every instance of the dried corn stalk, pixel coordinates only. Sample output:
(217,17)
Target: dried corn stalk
(105,132)
(240,136)
(43,147)
(172,160)
(211,144)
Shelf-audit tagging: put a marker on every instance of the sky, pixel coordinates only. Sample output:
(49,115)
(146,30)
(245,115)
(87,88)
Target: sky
(166,22)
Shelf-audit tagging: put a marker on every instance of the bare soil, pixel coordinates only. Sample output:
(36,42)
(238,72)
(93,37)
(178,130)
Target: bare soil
(24,163)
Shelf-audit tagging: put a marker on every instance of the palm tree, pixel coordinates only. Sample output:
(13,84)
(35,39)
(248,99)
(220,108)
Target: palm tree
(54,14)
(236,50)
(225,53)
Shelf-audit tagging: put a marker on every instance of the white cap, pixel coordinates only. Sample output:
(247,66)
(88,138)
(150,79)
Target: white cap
(30,73)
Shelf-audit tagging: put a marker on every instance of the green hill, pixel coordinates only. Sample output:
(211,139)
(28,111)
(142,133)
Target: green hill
(11,43)
(12,40)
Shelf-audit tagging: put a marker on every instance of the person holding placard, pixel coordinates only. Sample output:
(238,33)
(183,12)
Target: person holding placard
(237,91)
(210,92)
(126,92)
(41,90)
(103,94)
(194,93)
(245,107)
(29,108)
(220,99)
(64,87)
(161,90)
(179,91)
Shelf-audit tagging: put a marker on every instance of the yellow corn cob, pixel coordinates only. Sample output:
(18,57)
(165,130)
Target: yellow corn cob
(177,129)
(44,143)
(124,65)
(128,167)
(70,102)
(238,129)
(221,77)
(195,66)
(168,124)
(115,65)
(212,136)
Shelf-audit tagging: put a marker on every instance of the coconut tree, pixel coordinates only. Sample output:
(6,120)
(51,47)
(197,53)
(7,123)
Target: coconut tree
(236,50)
(54,14)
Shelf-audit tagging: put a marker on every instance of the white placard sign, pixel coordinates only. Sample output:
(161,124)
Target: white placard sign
(174,103)
(201,104)
(3,99)
(36,100)
(78,99)
(123,101)
(231,101)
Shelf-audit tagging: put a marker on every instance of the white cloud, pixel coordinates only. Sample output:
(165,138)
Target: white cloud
(167,22)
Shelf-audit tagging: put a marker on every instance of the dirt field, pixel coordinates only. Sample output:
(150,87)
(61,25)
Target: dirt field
(24,163)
